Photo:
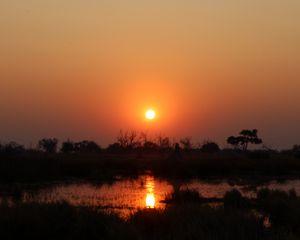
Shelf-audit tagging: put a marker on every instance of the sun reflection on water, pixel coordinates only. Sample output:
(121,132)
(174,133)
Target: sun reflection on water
(127,196)
(150,200)
(150,197)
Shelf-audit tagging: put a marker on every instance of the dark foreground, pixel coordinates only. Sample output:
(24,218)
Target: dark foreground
(273,215)
(39,167)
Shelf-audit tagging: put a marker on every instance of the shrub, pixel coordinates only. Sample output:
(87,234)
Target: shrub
(210,147)
(234,199)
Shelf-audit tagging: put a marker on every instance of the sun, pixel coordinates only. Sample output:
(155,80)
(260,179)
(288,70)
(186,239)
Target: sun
(150,114)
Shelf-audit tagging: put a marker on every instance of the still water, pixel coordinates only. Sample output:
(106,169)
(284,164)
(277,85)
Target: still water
(127,196)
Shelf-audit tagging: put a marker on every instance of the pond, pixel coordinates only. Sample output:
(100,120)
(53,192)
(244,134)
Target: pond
(127,196)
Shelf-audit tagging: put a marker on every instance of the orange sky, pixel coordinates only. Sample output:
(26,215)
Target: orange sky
(85,69)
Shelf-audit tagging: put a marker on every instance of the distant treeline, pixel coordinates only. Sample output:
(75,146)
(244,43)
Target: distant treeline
(130,141)
(133,154)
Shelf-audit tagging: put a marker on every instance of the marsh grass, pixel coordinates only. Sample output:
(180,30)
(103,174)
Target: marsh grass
(183,196)
(184,219)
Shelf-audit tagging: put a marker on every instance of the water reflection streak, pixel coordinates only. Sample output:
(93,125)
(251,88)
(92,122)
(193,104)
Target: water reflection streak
(150,197)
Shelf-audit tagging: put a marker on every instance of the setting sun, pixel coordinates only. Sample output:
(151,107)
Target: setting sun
(150,114)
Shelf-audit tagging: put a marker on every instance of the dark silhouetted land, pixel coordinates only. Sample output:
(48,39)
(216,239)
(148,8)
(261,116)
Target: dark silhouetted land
(272,215)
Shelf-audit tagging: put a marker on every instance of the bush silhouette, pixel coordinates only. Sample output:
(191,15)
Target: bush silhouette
(150,146)
(280,206)
(183,196)
(12,148)
(87,147)
(210,147)
(80,147)
(234,199)
(115,148)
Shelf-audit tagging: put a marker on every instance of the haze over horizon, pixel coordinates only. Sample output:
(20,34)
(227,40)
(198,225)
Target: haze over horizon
(86,69)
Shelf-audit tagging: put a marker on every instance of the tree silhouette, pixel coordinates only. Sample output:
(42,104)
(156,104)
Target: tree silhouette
(128,140)
(177,152)
(163,143)
(296,148)
(87,147)
(68,147)
(296,151)
(243,140)
(234,141)
(144,138)
(48,145)
(186,143)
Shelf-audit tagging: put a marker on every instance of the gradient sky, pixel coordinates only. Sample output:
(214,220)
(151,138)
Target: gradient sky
(84,69)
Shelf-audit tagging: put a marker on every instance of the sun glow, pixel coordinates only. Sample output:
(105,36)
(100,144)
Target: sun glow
(150,114)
